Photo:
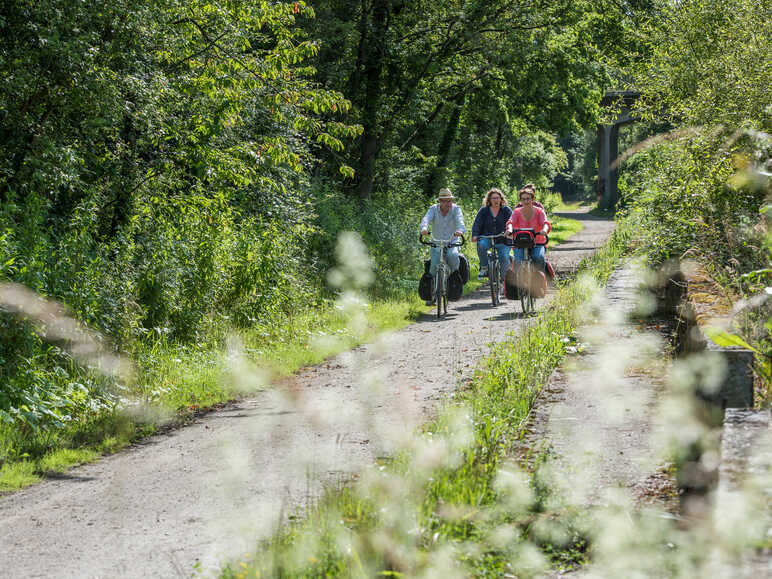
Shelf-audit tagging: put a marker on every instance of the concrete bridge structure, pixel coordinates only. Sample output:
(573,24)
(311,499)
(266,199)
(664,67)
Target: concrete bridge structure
(620,102)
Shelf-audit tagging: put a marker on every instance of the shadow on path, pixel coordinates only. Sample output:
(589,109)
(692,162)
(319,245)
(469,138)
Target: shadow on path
(582,216)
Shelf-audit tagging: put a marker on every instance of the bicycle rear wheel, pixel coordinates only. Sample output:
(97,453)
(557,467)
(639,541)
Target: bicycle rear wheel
(494,277)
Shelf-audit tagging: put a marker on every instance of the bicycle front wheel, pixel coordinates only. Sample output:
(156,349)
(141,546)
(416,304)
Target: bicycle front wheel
(494,277)
(526,300)
(442,281)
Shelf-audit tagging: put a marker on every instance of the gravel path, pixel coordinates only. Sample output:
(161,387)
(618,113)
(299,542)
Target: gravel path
(185,502)
(600,413)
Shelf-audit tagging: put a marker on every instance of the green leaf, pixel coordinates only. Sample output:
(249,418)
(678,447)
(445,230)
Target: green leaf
(726,339)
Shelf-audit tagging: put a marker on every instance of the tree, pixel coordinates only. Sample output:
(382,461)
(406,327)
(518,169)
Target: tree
(711,63)
(412,68)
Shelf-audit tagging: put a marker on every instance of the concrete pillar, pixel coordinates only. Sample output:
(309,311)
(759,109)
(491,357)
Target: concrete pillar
(604,164)
(613,175)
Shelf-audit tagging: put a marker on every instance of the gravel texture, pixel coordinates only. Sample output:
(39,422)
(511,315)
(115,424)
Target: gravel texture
(599,414)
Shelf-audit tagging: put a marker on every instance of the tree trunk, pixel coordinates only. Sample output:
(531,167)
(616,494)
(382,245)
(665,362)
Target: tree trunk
(375,50)
(123,200)
(437,174)
(356,76)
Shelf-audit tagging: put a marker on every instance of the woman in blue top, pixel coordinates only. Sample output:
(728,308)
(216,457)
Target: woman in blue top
(492,219)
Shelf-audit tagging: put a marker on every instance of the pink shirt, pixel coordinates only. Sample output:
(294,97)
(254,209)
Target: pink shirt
(536,222)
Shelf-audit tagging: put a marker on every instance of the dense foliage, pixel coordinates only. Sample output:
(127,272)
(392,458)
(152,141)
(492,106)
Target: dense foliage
(150,163)
(702,190)
(172,169)
(462,93)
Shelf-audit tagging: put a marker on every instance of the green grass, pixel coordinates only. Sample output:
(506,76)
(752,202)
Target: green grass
(563,229)
(60,460)
(316,335)
(15,476)
(64,450)
(572,206)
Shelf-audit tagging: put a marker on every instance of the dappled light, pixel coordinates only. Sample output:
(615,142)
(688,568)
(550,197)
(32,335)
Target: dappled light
(226,351)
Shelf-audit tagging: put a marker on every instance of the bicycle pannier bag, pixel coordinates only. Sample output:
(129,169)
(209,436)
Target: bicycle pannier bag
(427,265)
(463,268)
(425,286)
(550,270)
(455,286)
(539,284)
(510,287)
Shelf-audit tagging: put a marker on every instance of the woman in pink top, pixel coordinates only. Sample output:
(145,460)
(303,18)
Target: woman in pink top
(530,217)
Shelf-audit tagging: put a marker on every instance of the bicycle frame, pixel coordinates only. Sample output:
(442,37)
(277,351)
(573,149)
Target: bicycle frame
(440,290)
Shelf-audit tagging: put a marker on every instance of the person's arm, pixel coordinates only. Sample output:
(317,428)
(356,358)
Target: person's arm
(460,226)
(426,220)
(546,227)
(506,213)
(512,222)
(478,223)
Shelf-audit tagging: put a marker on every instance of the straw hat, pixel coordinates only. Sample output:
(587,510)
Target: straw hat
(445,194)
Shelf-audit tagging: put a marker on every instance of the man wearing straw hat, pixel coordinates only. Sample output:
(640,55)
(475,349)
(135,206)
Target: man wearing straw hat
(446,222)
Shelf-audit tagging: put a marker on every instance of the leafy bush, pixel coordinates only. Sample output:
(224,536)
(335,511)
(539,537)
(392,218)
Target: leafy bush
(682,196)
(388,225)
(43,389)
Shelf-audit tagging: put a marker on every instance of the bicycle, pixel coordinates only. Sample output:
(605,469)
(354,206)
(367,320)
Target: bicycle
(525,270)
(494,269)
(440,289)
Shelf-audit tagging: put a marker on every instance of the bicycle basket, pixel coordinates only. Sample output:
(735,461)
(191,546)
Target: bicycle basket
(523,239)
(510,286)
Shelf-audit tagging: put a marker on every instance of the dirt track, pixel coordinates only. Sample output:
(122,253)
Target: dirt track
(185,502)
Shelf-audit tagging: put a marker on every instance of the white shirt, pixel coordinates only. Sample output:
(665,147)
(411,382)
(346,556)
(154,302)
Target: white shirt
(444,226)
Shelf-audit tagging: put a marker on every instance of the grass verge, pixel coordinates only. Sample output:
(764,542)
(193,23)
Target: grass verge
(173,383)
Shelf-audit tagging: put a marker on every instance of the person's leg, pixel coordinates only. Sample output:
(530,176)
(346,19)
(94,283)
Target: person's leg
(452,257)
(519,254)
(482,249)
(538,255)
(434,253)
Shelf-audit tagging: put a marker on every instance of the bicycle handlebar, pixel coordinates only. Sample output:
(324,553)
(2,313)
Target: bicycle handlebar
(439,242)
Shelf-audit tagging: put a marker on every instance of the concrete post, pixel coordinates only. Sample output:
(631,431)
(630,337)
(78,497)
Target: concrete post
(604,164)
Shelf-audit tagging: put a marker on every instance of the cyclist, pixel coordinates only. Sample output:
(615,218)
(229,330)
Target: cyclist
(492,219)
(530,217)
(446,221)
